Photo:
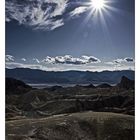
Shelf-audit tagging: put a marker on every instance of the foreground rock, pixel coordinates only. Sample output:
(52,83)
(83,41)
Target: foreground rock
(77,126)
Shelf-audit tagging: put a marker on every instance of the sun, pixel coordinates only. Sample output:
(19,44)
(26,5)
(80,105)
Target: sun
(98,4)
(99,11)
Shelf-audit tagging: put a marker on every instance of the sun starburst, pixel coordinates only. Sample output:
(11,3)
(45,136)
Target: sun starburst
(98,4)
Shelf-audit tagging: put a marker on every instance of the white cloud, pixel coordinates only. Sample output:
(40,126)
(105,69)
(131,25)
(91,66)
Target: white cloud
(60,8)
(91,59)
(109,63)
(68,59)
(13,65)
(119,61)
(9,58)
(36,13)
(66,67)
(23,59)
(36,60)
(128,59)
(41,14)
(125,60)
(48,59)
(68,62)
(77,11)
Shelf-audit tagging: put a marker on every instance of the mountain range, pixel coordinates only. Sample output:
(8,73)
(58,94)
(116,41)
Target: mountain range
(68,77)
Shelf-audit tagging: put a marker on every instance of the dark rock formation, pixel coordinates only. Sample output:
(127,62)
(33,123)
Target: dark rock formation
(14,86)
(85,86)
(126,83)
(54,88)
(104,86)
(90,86)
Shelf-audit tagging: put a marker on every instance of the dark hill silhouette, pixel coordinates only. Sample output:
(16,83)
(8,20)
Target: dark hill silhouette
(126,83)
(85,86)
(104,85)
(90,86)
(14,86)
(54,88)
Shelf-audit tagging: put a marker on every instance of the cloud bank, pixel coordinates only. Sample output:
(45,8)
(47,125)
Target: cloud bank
(36,60)
(68,59)
(68,62)
(127,60)
(42,14)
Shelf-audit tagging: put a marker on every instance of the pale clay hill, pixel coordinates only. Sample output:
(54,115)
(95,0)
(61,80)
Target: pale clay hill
(78,126)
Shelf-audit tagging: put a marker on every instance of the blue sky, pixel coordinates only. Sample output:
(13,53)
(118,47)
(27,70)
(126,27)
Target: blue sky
(70,35)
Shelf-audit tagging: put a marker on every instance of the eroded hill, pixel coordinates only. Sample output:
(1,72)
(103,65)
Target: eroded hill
(77,126)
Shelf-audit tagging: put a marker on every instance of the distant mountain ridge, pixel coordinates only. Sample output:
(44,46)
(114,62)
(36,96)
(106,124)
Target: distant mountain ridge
(68,77)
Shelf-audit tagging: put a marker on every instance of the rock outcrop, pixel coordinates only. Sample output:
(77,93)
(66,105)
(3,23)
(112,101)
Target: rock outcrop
(14,86)
(126,83)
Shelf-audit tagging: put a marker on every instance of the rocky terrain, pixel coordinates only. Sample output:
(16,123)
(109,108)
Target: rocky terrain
(89,112)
